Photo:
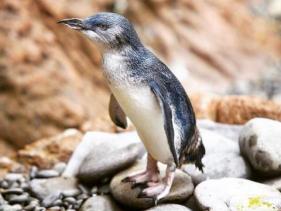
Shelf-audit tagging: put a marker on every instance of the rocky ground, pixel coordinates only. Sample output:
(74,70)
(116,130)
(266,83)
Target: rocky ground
(242,172)
(50,81)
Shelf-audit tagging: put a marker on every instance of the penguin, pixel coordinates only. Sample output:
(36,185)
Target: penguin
(148,93)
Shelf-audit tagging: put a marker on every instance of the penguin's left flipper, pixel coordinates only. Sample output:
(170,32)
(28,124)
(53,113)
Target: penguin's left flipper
(116,113)
(179,118)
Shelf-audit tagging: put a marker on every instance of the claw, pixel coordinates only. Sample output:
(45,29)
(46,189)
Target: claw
(126,179)
(139,185)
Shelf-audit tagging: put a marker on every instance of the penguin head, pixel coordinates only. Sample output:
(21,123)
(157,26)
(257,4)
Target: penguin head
(109,30)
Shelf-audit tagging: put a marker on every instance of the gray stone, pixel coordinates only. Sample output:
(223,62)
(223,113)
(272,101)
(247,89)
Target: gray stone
(108,158)
(100,203)
(19,199)
(260,143)
(43,188)
(229,131)
(181,189)
(102,145)
(222,159)
(275,183)
(236,194)
(60,167)
(218,166)
(47,174)
(169,207)
(7,207)
(274,9)
(13,177)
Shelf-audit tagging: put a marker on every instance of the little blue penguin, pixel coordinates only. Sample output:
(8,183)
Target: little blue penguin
(148,93)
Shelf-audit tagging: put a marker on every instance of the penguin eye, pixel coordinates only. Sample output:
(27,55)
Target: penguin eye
(103,27)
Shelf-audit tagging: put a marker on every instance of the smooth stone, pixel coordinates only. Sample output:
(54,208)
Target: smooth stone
(55,208)
(60,167)
(106,161)
(222,195)
(102,145)
(260,143)
(169,207)
(19,199)
(100,203)
(222,159)
(12,191)
(181,189)
(70,200)
(7,207)
(43,188)
(13,177)
(71,193)
(51,199)
(219,166)
(47,174)
(4,184)
(229,131)
(33,172)
(275,183)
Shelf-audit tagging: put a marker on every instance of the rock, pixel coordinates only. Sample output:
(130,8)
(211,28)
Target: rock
(100,203)
(103,154)
(47,174)
(260,143)
(229,131)
(235,109)
(43,188)
(47,152)
(166,207)
(222,159)
(275,183)
(181,189)
(274,9)
(236,194)
(105,162)
(60,167)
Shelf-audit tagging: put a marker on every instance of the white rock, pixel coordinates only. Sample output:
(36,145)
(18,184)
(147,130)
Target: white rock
(274,9)
(91,141)
(236,194)
(222,159)
(260,143)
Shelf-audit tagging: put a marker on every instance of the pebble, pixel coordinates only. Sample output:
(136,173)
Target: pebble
(260,144)
(171,207)
(71,193)
(42,188)
(47,174)
(70,200)
(20,199)
(60,167)
(12,191)
(100,203)
(13,177)
(4,184)
(54,208)
(33,172)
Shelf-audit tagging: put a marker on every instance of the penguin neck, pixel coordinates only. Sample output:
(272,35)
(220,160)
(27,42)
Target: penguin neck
(116,65)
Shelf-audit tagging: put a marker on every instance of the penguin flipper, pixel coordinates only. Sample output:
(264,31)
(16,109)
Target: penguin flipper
(161,95)
(116,113)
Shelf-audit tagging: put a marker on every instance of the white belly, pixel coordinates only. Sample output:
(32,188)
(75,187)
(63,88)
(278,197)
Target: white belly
(142,108)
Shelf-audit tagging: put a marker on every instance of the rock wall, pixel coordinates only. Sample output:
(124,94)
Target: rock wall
(50,77)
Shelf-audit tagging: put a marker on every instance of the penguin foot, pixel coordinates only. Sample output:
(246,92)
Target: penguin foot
(155,191)
(141,179)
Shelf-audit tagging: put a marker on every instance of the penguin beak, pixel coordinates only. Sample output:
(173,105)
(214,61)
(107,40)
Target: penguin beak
(73,23)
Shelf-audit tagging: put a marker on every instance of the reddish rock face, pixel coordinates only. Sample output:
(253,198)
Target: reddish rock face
(46,152)
(234,109)
(50,76)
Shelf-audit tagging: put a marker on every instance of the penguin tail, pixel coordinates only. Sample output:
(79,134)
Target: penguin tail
(195,151)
